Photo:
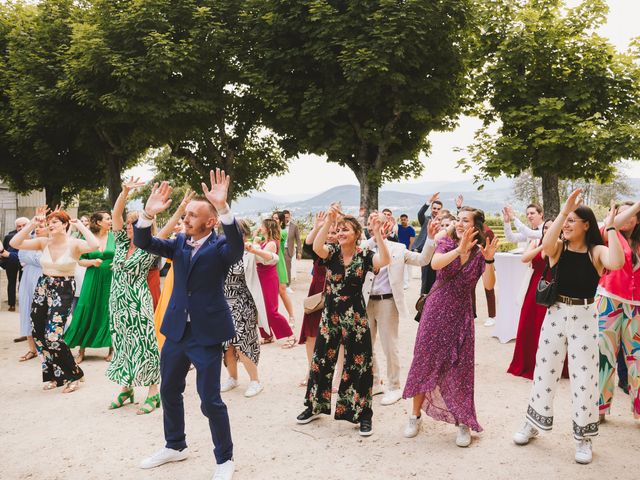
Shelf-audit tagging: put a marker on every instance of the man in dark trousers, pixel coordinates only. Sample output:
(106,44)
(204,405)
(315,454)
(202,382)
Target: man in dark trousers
(198,319)
(11,264)
(428,274)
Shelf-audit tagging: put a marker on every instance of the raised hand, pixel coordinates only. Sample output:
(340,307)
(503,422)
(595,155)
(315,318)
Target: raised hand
(188,196)
(489,250)
(505,215)
(433,228)
(321,217)
(459,200)
(132,183)
(41,215)
(573,202)
(159,200)
(468,241)
(613,211)
(434,197)
(217,194)
(334,212)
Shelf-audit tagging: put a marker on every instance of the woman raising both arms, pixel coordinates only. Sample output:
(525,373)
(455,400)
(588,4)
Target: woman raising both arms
(571,324)
(54,292)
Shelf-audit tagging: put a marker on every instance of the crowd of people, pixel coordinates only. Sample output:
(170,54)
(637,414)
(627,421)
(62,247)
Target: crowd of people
(95,283)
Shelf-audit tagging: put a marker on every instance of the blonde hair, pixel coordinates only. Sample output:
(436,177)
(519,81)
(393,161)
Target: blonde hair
(272,229)
(132,217)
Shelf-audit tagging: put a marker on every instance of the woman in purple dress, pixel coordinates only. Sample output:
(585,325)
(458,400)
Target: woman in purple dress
(441,378)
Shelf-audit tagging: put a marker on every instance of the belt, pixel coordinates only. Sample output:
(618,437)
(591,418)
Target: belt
(384,296)
(575,301)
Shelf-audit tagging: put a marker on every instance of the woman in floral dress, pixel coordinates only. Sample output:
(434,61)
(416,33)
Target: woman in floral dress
(136,361)
(344,322)
(441,378)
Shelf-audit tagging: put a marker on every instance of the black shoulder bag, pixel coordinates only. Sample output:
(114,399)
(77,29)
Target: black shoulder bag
(547,291)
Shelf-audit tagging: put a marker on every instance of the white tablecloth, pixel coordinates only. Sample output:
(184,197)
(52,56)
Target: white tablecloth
(511,273)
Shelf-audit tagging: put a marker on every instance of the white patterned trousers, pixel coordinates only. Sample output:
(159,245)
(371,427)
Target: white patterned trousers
(572,330)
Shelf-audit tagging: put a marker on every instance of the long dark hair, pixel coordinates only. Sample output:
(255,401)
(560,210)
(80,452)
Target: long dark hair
(633,237)
(478,224)
(281,218)
(548,220)
(593,236)
(95,218)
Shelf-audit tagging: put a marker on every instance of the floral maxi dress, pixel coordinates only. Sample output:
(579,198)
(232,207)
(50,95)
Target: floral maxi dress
(136,361)
(344,321)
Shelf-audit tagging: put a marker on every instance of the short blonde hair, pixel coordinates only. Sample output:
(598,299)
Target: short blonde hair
(132,217)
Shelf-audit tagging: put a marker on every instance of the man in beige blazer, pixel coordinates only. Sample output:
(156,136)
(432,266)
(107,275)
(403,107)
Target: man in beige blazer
(294,243)
(384,297)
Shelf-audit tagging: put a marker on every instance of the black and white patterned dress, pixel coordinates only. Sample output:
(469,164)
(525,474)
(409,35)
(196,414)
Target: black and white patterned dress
(244,313)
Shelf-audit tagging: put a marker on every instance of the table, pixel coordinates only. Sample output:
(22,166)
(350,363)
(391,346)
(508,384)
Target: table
(511,276)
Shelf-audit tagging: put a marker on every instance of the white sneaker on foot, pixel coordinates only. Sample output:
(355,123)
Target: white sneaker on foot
(164,455)
(391,397)
(526,433)
(463,438)
(230,384)
(490,322)
(584,454)
(413,427)
(253,389)
(289,290)
(225,471)
(377,389)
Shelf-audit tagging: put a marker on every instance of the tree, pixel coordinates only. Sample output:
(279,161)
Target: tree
(360,82)
(40,132)
(565,100)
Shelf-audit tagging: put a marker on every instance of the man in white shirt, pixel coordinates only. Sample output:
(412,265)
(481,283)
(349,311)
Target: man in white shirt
(384,297)
(523,233)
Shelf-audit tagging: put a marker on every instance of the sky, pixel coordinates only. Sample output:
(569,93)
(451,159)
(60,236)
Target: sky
(309,174)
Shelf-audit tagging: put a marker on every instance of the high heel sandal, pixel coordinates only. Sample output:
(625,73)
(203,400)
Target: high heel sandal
(153,403)
(71,386)
(121,399)
(50,385)
(289,342)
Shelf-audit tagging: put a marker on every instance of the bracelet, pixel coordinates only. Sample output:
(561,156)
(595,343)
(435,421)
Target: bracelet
(146,216)
(490,261)
(611,229)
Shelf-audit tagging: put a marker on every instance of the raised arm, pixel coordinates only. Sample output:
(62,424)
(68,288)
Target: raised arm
(117,215)
(551,245)
(509,235)
(424,258)
(467,242)
(626,215)
(317,224)
(382,258)
(166,231)
(158,201)
(488,252)
(321,237)
(611,257)
(532,250)
(21,240)
(90,242)
(526,231)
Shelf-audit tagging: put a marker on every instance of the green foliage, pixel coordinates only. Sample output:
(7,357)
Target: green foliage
(566,100)
(360,82)
(90,201)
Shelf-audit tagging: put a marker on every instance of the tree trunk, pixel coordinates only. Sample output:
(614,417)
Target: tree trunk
(53,195)
(114,180)
(550,195)
(368,187)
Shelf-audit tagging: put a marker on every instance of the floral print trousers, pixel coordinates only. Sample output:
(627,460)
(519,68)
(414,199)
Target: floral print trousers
(354,393)
(571,329)
(49,312)
(619,324)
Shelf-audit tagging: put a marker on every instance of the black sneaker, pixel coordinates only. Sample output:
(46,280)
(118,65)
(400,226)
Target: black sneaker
(624,386)
(307,416)
(366,428)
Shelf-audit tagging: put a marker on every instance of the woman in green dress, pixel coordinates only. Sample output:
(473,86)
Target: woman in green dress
(89,326)
(282,267)
(136,360)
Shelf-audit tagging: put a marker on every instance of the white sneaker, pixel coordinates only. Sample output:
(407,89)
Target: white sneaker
(584,453)
(289,290)
(413,427)
(164,455)
(490,322)
(230,384)
(253,389)
(225,471)
(526,433)
(463,438)
(377,389)
(391,397)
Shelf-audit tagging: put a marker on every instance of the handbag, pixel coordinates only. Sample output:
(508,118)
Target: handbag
(423,297)
(547,292)
(313,303)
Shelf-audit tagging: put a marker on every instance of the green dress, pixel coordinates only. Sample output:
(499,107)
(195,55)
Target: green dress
(90,321)
(136,361)
(282,266)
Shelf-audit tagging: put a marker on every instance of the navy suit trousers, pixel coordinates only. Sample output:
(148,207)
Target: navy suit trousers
(174,366)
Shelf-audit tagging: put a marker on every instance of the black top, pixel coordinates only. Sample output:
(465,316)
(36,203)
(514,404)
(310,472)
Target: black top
(577,277)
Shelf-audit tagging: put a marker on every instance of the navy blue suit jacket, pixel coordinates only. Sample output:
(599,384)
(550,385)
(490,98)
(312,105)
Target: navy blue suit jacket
(198,286)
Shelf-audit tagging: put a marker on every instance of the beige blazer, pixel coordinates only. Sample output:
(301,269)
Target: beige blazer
(399,257)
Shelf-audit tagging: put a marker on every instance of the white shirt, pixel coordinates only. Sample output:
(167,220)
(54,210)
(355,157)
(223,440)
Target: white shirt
(523,233)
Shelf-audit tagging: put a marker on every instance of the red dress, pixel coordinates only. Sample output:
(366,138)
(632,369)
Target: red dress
(531,317)
(311,321)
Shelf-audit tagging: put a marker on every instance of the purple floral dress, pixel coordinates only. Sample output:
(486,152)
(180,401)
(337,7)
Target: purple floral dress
(443,357)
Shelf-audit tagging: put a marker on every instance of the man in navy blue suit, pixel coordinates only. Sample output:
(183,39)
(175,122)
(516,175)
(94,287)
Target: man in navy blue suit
(198,319)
